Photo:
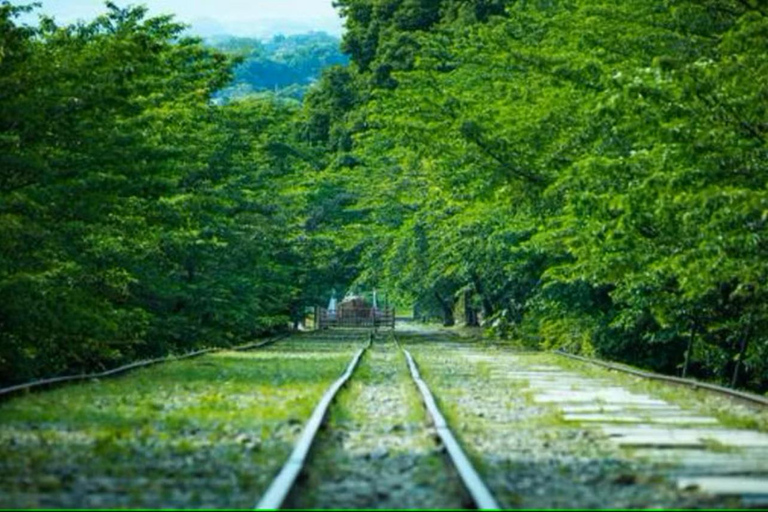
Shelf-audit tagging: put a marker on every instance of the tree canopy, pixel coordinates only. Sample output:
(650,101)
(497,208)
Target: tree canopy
(583,174)
(136,217)
(587,174)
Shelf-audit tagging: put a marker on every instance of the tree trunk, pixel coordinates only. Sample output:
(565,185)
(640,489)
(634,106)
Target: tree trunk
(297,316)
(487,304)
(689,349)
(189,266)
(470,315)
(448,319)
(742,351)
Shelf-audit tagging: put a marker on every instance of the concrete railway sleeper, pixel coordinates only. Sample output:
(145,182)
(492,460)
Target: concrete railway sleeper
(549,432)
(543,430)
(378,448)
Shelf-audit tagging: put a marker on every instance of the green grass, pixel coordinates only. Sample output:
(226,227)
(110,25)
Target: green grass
(346,409)
(202,432)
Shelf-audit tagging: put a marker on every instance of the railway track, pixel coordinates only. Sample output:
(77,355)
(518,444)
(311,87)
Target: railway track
(417,420)
(571,439)
(37,385)
(555,433)
(203,432)
(378,458)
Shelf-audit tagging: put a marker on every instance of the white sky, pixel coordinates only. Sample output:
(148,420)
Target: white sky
(236,16)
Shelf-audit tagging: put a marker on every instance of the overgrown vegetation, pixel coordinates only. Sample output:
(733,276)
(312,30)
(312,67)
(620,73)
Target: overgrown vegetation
(588,174)
(136,217)
(376,448)
(202,433)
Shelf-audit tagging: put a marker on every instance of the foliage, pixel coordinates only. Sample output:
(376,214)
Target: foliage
(136,217)
(586,174)
(580,174)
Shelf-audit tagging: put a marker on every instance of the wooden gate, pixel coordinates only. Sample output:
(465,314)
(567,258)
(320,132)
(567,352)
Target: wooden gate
(357,317)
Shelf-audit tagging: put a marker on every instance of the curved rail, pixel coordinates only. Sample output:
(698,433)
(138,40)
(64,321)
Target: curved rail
(469,475)
(731,393)
(28,386)
(280,487)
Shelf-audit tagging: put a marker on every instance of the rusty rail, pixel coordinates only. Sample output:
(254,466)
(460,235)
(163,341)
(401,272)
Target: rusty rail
(281,485)
(54,381)
(471,479)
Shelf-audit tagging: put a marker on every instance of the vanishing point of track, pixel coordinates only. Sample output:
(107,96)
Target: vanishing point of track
(283,483)
(611,415)
(516,414)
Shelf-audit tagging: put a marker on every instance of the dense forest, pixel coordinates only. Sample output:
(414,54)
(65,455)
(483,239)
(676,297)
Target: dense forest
(284,66)
(584,174)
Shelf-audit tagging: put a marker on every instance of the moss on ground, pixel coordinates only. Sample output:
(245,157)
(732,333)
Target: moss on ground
(377,450)
(204,432)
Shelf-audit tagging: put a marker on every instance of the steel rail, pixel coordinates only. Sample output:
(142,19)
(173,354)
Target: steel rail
(695,384)
(29,386)
(474,484)
(278,490)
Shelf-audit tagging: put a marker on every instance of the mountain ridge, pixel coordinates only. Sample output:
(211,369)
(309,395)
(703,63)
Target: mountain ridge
(284,65)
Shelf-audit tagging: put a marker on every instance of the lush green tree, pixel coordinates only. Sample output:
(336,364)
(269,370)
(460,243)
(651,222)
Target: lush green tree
(136,217)
(579,174)
(591,173)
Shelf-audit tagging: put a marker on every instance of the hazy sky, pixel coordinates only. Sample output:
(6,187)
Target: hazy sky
(241,17)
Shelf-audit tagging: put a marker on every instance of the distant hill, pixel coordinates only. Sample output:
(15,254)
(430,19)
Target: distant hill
(284,65)
(263,27)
